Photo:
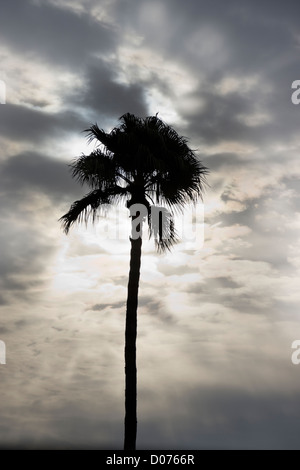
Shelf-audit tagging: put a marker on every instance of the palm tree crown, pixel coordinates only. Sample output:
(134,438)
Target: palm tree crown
(142,161)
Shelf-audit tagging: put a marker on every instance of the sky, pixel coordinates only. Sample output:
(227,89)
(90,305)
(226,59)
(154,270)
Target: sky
(218,315)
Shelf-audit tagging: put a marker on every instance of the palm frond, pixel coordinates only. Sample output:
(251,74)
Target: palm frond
(95,133)
(96,170)
(161,228)
(87,207)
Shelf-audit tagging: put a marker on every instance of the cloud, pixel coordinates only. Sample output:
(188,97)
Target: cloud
(59,36)
(106,96)
(34,172)
(22,123)
(100,307)
(229,419)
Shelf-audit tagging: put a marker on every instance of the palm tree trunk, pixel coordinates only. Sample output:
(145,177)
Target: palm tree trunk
(130,429)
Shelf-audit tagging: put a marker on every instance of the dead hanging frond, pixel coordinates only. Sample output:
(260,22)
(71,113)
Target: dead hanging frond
(162,228)
(86,208)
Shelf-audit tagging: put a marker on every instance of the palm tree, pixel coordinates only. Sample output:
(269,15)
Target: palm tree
(140,161)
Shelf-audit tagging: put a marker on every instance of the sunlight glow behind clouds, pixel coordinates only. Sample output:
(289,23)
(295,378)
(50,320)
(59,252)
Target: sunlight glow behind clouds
(140,63)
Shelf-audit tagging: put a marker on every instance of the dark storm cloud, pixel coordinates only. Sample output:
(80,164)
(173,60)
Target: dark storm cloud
(268,216)
(34,172)
(104,95)
(217,40)
(54,34)
(253,31)
(24,252)
(21,123)
(219,120)
(230,294)
(228,117)
(226,419)
(100,307)
(22,261)
(155,308)
(225,160)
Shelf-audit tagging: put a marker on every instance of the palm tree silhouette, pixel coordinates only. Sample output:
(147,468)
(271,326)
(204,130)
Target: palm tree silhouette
(139,161)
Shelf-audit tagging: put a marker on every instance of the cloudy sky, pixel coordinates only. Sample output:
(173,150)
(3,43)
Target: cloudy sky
(218,315)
